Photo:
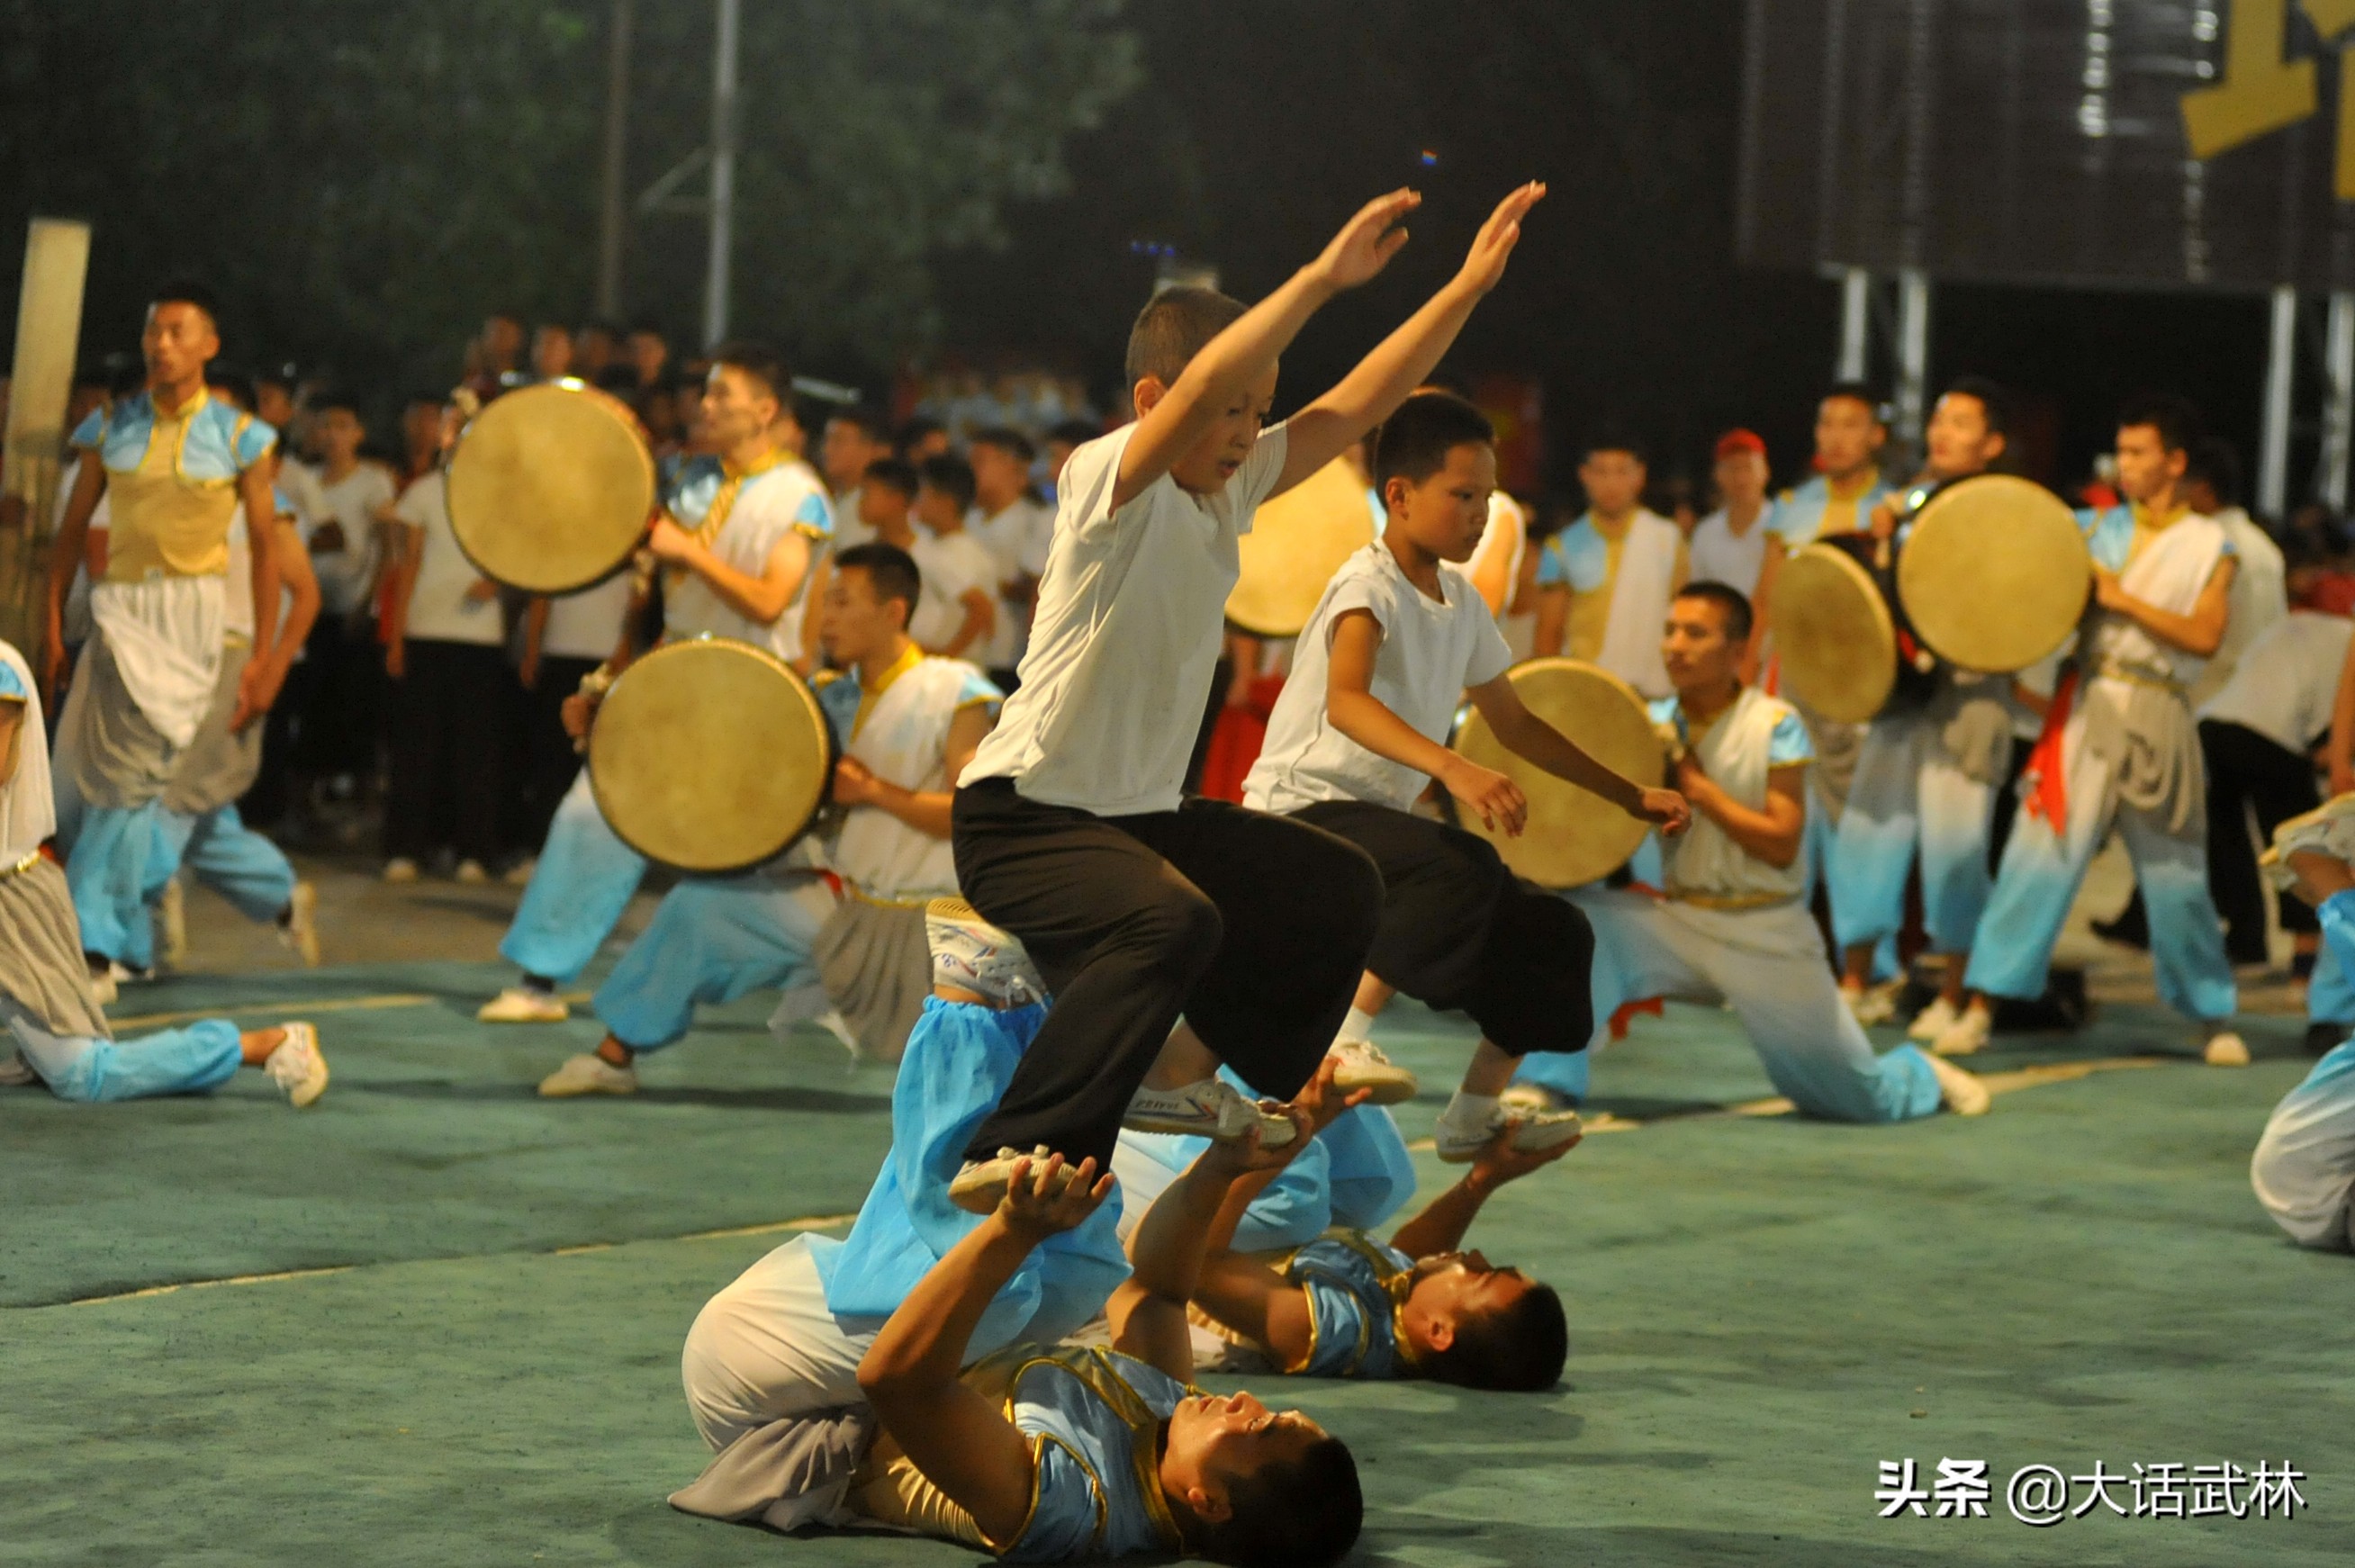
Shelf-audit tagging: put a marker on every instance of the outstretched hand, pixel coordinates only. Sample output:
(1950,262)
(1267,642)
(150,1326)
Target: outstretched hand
(1045,1198)
(1499,1161)
(1367,241)
(1484,264)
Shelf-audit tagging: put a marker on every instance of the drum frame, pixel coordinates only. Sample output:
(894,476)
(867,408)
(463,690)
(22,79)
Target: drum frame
(628,423)
(1653,777)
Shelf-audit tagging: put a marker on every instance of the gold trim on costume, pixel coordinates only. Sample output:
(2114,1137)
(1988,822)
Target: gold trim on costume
(1699,900)
(21,867)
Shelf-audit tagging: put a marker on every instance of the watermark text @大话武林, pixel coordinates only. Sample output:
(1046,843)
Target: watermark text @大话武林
(2045,1495)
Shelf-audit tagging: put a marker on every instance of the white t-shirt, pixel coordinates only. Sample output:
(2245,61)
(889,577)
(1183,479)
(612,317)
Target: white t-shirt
(300,481)
(1430,652)
(2287,680)
(952,566)
(849,531)
(27,812)
(352,502)
(1018,539)
(1720,555)
(1132,615)
(587,625)
(438,610)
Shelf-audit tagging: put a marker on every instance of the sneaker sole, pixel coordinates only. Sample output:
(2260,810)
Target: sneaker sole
(487,1017)
(583,1092)
(1532,1140)
(1382,1088)
(981,1191)
(1272,1135)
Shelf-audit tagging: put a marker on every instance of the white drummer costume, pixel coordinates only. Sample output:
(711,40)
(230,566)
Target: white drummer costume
(2120,746)
(1620,582)
(153,664)
(2303,1168)
(586,875)
(1735,930)
(54,1028)
(861,949)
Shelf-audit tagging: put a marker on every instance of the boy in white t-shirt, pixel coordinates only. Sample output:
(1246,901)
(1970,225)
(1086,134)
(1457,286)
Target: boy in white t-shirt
(1401,635)
(1017,529)
(1069,830)
(958,618)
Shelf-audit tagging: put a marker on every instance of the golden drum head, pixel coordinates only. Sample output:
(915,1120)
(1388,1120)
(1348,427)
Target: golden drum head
(550,487)
(1296,543)
(1573,835)
(1834,635)
(1994,573)
(709,755)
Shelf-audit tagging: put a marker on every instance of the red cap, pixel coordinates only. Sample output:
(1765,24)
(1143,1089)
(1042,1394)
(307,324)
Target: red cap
(1735,441)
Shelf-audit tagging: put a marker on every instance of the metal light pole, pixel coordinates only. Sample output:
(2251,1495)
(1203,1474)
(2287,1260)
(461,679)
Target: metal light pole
(723,173)
(614,214)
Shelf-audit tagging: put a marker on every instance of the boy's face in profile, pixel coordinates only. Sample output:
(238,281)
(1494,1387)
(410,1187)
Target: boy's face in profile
(882,507)
(1447,513)
(1205,468)
(937,509)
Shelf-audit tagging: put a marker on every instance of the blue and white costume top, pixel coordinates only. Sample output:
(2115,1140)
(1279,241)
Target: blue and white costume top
(1620,589)
(1092,1422)
(171,481)
(1739,748)
(741,516)
(2169,567)
(1356,1288)
(901,730)
(1799,514)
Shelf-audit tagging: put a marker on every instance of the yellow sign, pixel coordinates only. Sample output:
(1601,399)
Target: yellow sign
(2264,92)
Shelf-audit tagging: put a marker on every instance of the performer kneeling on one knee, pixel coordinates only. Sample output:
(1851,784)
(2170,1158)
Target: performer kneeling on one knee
(907,723)
(1034,1454)
(1398,638)
(1350,1306)
(2304,1168)
(1734,926)
(47,1003)
(1069,826)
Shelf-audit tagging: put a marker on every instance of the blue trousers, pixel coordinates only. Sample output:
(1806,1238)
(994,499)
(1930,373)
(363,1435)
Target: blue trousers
(959,1059)
(187,1060)
(1907,794)
(712,940)
(227,855)
(109,873)
(2040,876)
(584,881)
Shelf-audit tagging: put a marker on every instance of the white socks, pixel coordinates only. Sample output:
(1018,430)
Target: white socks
(1469,1113)
(1356,1028)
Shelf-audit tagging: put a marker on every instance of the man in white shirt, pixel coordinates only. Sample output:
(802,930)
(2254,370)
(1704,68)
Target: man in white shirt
(342,719)
(1398,640)
(1733,926)
(1068,828)
(908,724)
(854,439)
(1728,546)
(1017,529)
(2211,483)
(959,621)
(736,542)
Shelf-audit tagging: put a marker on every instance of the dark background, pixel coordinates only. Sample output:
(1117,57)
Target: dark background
(385,193)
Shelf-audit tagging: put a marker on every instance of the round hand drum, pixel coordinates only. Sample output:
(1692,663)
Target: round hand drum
(1296,543)
(1573,834)
(550,487)
(1834,635)
(709,755)
(1994,573)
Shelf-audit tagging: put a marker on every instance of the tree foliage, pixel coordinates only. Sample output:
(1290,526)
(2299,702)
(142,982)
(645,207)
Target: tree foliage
(361,180)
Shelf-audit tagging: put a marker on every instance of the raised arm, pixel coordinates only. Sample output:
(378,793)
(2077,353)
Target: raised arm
(963,1443)
(1448,1218)
(1405,359)
(1217,378)
(65,557)
(1527,735)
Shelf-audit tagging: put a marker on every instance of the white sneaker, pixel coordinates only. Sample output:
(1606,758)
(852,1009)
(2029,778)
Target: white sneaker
(1210,1108)
(298,1065)
(172,923)
(1932,1021)
(1960,1092)
(471,873)
(1363,1066)
(400,868)
(1873,1004)
(1966,1034)
(588,1074)
(2328,829)
(522,1005)
(971,954)
(2221,1046)
(1533,1099)
(300,930)
(519,874)
(980,1186)
(1534,1132)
